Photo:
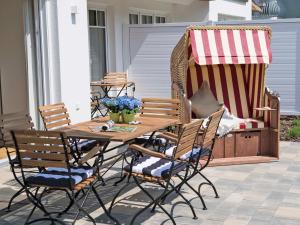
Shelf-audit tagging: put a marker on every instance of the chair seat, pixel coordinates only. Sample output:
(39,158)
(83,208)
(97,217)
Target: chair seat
(85,145)
(155,167)
(251,123)
(59,177)
(195,153)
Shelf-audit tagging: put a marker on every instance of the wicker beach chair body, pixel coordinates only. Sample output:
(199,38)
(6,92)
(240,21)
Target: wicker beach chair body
(233,61)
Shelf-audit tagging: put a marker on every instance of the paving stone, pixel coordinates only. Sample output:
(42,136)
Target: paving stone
(259,194)
(288,213)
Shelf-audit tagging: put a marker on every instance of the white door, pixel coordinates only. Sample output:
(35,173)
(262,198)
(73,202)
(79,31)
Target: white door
(97,33)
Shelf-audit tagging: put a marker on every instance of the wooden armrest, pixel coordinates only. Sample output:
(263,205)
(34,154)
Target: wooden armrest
(170,134)
(89,155)
(146,151)
(167,135)
(264,109)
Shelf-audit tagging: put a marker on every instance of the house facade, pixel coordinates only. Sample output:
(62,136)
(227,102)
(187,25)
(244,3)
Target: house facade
(52,49)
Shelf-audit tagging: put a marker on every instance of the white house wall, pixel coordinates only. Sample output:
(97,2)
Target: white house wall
(74,58)
(150,49)
(231,8)
(12,57)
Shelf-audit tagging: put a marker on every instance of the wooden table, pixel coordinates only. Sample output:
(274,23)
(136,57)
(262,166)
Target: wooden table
(84,130)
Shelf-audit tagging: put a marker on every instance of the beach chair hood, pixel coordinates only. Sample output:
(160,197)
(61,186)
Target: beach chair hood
(232,59)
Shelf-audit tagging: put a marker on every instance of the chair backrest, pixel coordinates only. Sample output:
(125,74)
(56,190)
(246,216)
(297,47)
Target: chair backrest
(11,121)
(54,116)
(42,148)
(187,137)
(117,77)
(160,107)
(211,129)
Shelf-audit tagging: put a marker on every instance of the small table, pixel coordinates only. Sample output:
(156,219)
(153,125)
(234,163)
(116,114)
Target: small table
(84,130)
(106,88)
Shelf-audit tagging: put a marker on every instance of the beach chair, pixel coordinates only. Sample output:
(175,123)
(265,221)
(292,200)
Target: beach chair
(232,60)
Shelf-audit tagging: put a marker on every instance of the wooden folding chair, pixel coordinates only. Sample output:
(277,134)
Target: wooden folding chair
(19,120)
(51,151)
(158,108)
(202,153)
(158,168)
(56,116)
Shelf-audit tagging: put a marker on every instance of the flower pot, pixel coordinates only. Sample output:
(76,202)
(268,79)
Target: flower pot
(128,117)
(114,117)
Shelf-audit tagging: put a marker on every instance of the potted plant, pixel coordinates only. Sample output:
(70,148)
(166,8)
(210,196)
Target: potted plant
(112,105)
(122,107)
(129,108)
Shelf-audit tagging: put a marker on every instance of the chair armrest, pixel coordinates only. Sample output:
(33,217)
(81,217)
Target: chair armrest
(89,155)
(146,151)
(169,136)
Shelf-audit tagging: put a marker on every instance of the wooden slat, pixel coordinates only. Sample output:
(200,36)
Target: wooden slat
(159,116)
(56,118)
(53,148)
(44,156)
(51,107)
(25,140)
(53,112)
(186,144)
(58,124)
(43,163)
(160,105)
(160,111)
(160,100)
(39,133)
(84,183)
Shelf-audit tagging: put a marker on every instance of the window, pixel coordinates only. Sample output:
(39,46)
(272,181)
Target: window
(96,18)
(97,35)
(133,18)
(146,19)
(160,19)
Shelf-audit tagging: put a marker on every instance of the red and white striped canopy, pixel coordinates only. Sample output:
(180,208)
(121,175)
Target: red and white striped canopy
(230,46)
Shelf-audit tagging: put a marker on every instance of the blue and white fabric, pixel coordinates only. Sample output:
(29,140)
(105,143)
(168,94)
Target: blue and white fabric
(155,167)
(192,153)
(85,145)
(60,177)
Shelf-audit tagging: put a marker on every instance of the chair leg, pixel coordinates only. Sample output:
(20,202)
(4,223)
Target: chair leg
(81,209)
(38,204)
(208,183)
(82,204)
(186,201)
(70,204)
(116,196)
(19,192)
(196,192)
(103,206)
(154,201)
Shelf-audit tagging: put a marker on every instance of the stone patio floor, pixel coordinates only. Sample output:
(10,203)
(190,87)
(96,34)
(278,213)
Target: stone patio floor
(260,194)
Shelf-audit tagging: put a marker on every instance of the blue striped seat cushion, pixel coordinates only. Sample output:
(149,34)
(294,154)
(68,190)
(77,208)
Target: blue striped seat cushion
(59,177)
(85,145)
(155,167)
(195,153)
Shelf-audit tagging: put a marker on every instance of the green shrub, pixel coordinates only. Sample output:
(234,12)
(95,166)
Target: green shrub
(296,123)
(294,132)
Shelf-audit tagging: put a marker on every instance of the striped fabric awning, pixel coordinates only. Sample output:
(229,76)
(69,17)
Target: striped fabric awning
(230,46)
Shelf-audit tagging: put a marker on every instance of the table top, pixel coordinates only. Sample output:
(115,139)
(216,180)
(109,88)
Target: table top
(147,125)
(113,84)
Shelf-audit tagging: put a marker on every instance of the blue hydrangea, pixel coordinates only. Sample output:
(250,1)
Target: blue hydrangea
(123,103)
